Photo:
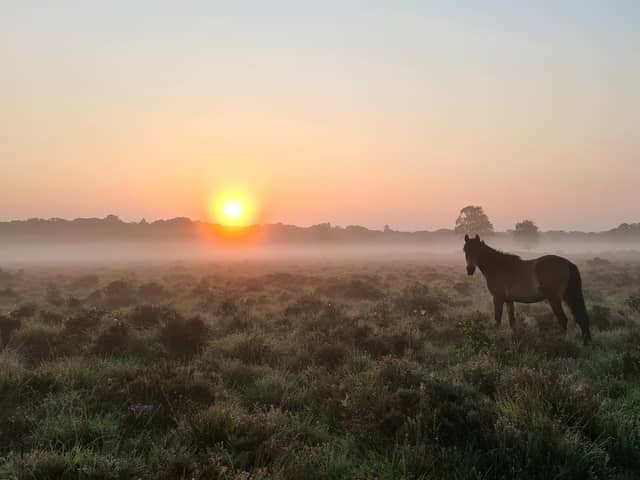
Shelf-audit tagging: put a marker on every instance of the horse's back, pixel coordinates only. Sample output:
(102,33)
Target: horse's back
(553,273)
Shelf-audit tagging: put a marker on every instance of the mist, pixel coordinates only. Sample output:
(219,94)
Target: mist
(132,253)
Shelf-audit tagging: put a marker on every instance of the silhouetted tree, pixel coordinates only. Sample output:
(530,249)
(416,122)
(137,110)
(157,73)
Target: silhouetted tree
(526,233)
(472,220)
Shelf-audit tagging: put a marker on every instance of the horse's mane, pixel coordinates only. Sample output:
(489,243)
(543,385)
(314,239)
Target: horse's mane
(498,257)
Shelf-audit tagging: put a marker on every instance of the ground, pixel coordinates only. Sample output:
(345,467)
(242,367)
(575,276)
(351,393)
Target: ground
(314,370)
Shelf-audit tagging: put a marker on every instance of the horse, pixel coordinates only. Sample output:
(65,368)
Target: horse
(511,279)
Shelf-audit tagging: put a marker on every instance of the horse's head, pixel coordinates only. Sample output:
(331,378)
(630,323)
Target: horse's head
(472,249)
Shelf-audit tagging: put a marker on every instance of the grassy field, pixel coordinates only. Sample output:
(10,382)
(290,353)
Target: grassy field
(311,371)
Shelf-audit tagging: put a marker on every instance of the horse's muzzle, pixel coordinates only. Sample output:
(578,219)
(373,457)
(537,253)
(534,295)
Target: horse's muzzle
(471,269)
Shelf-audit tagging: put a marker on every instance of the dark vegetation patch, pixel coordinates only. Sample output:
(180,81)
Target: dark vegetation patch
(418,299)
(184,336)
(355,288)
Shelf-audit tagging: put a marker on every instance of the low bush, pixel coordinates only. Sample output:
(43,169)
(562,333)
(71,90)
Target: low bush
(353,289)
(83,323)
(51,318)
(69,465)
(84,282)
(474,328)
(184,336)
(382,345)
(112,340)
(247,348)
(305,306)
(8,292)
(149,316)
(54,296)
(8,324)
(398,373)
(153,397)
(119,293)
(631,362)
(256,439)
(151,292)
(417,299)
(24,311)
(600,317)
(633,303)
(228,308)
(38,342)
(484,376)
(329,355)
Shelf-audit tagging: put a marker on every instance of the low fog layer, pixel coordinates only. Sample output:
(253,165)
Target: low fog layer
(111,240)
(59,253)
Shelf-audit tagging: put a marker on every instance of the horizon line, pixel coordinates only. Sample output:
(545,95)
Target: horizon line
(143,220)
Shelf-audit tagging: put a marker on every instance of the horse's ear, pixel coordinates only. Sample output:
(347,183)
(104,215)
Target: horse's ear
(477,237)
(466,238)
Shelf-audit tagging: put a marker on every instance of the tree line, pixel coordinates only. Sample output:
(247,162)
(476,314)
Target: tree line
(473,220)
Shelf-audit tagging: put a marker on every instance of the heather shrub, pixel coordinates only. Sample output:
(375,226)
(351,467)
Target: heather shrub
(149,316)
(151,292)
(69,465)
(54,296)
(84,282)
(305,306)
(631,362)
(600,317)
(250,349)
(24,311)
(184,336)
(119,293)
(633,302)
(51,318)
(475,331)
(228,308)
(8,324)
(83,323)
(112,340)
(38,343)
(417,299)
(354,289)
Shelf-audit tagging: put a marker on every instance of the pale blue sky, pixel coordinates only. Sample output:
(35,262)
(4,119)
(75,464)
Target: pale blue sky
(350,112)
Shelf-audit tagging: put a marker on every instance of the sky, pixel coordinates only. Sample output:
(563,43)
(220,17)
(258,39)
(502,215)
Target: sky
(350,112)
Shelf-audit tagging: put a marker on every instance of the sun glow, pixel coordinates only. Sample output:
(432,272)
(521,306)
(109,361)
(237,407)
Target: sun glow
(233,209)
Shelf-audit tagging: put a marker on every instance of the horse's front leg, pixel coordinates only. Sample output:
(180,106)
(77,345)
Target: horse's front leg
(512,314)
(498,304)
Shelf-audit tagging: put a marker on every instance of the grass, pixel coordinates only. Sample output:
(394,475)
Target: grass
(315,371)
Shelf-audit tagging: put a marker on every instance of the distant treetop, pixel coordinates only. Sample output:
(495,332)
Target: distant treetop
(526,233)
(472,220)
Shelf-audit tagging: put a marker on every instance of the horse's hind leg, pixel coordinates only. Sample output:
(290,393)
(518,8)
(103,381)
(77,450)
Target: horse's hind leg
(556,306)
(498,304)
(512,314)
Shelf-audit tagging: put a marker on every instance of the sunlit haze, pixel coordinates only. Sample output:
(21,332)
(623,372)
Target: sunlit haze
(366,113)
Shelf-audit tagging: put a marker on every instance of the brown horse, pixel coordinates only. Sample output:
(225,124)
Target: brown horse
(511,279)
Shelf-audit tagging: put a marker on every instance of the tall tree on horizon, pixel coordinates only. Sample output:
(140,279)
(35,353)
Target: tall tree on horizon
(472,220)
(527,234)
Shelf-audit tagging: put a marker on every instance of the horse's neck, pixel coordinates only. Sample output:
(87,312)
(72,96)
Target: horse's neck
(490,262)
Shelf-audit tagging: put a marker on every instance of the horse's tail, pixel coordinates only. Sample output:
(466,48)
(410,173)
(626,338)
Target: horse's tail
(575,299)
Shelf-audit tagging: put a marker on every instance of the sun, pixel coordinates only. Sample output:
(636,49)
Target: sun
(233,209)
